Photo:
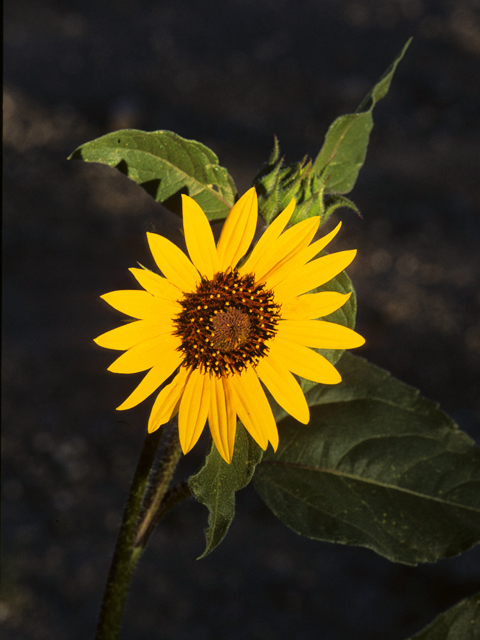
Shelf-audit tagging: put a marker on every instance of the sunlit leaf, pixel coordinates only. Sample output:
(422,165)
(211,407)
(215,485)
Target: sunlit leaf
(346,142)
(166,165)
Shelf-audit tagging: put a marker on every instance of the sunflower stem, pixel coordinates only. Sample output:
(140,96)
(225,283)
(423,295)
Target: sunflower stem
(126,555)
(155,504)
(173,496)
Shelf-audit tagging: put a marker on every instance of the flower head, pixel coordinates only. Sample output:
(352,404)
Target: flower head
(224,329)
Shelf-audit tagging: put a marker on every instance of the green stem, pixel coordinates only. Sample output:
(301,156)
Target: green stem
(125,556)
(159,485)
(147,503)
(172,497)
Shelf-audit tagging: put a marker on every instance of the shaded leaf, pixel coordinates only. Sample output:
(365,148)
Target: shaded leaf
(461,622)
(166,165)
(378,466)
(346,142)
(217,481)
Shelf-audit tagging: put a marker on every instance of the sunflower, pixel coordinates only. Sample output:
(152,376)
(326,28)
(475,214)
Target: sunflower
(225,329)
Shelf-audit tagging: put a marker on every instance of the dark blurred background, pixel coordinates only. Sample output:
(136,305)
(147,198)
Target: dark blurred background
(230,74)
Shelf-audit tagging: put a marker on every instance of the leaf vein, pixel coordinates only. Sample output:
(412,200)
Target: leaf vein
(422,496)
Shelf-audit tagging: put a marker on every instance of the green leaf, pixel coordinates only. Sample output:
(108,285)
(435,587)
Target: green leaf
(461,622)
(166,165)
(346,142)
(336,202)
(216,482)
(378,466)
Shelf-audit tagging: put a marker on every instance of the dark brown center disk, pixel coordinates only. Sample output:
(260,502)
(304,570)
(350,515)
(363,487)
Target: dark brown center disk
(231,329)
(225,323)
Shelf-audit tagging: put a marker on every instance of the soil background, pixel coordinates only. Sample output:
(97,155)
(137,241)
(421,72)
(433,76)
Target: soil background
(230,74)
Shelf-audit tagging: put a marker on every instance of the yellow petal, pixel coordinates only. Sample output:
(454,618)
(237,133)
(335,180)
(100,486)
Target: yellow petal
(238,230)
(319,245)
(303,361)
(193,411)
(167,403)
(173,263)
(156,285)
(243,409)
(129,334)
(154,379)
(148,353)
(313,274)
(219,419)
(270,234)
(284,250)
(298,258)
(283,387)
(231,415)
(138,304)
(253,408)
(319,334)
(313,305)
(199,238)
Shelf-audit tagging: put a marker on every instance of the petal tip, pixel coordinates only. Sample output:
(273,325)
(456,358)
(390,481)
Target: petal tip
(152,428)
(337,380)
(251,197)
(227,457)
(361,341)
(274,446)
(304,419)
(185,447)
(151,237)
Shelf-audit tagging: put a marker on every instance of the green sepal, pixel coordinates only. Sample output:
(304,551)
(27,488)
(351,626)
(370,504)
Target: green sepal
(461,622)
(346,142)
(336,202)
(166,165)
(215,484)
(378,466)
(277,184)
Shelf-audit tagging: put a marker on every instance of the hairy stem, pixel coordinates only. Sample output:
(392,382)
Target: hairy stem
(172,497)
(158,487)
(148,501)
(125,555)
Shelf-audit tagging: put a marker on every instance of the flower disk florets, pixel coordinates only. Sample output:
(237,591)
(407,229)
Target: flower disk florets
(225,324)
